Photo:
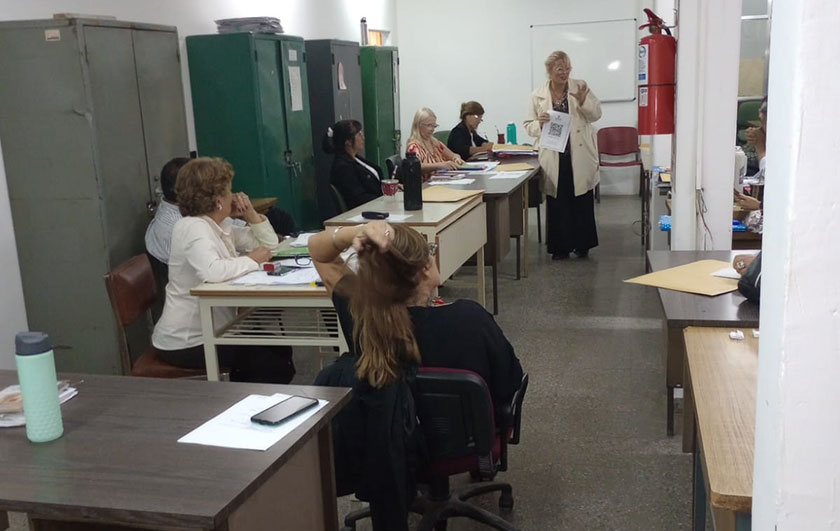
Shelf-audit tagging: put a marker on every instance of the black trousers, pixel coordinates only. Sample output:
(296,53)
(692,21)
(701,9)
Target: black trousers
(250,363)
(570,219)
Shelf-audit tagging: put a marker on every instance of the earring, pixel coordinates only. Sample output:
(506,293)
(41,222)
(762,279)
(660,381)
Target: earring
(218,206)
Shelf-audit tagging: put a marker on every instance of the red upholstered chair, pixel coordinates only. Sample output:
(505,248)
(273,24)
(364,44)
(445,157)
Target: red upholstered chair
(617,142)
(459,425)
(132,290)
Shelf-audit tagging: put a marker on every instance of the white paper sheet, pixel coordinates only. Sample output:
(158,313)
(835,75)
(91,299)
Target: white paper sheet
(727,272)
(233,427)
(391,217)
(509,175)
(555,132)
(302,239)
(296,88)
(453,181)
(486,166)
(298,277)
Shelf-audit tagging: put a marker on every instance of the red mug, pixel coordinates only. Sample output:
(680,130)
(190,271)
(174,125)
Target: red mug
(390,187)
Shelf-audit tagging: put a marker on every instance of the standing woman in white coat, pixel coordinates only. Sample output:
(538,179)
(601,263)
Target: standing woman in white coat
(569,178)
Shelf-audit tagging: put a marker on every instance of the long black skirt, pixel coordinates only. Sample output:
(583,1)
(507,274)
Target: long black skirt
(570,219)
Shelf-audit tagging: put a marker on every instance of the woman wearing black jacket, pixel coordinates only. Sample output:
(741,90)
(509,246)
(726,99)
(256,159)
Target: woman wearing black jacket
(464,139)
(357,179)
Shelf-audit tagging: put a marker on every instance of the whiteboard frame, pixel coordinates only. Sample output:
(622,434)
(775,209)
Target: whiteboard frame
(531,39)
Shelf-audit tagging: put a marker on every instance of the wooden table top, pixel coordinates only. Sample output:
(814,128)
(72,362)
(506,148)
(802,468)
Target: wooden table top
(432,214)
(495,188)
(688,309)
(119,461)
(226,289)
(723,376)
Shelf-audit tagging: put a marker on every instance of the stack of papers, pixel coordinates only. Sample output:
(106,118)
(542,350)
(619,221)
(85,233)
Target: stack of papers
(299,277)
(451,181)
(233,427)
(513,149)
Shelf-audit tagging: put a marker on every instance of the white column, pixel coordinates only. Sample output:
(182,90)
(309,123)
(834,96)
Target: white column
(707,92)
(797,454)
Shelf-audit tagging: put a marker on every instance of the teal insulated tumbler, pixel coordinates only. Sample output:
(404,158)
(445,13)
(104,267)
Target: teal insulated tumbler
(38,386)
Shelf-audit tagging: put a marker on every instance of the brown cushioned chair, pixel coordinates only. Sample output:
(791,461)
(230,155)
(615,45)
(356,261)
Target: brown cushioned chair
(132,290)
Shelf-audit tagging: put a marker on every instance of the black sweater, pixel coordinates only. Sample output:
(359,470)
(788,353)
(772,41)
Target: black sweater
(461,139)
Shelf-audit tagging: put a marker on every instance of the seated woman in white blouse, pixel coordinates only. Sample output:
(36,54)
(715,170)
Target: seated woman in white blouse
(208,247)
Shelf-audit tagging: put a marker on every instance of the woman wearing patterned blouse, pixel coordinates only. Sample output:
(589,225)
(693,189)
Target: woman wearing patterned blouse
(433,154)
(571,176)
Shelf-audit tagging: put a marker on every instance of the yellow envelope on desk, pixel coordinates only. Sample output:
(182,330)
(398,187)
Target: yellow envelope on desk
(695,277)
(516,166)
(511,147)
(445,194)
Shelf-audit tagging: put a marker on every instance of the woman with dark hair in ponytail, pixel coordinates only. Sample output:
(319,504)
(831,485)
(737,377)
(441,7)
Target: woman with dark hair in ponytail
(387,304)
(357,179)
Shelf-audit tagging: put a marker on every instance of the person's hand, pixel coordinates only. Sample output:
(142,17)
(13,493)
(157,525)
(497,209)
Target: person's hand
(260,254)
(581,93)
(379,234)
(543,118)
(450,165)
(241,207)
(741,262)
(747,202)
(487,146)
(459,160)
(757,138)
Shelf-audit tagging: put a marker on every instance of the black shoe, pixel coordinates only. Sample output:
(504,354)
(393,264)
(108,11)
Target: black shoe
(560,256)
(582,254)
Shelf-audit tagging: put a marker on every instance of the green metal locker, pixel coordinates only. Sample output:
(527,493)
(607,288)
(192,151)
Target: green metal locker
(251,105)
(381,101)
(90,110)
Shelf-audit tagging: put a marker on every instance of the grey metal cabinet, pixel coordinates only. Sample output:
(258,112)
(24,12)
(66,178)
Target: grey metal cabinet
(335,93)
(90,110)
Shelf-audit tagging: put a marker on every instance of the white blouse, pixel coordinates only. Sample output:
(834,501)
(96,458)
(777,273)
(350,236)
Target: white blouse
(203,251)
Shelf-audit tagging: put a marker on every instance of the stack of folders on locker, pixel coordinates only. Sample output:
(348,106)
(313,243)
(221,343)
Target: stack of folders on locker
(249,24)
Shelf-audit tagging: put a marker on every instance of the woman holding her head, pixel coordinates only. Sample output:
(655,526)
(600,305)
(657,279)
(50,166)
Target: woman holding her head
(464,140)
(357,179)
(432,153)
(570,176)
(208,247)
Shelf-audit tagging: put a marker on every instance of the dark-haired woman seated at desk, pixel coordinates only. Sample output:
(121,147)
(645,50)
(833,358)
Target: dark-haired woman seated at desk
(395,327)
(357,179)
(208,247)
(464,139)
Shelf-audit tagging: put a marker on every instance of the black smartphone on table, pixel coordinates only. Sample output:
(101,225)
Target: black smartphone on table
(370,214)
(284,410)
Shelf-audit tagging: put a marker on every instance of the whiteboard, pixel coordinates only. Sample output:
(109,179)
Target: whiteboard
(603,53)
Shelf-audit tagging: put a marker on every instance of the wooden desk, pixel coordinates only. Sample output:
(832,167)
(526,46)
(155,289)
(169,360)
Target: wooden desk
(276,315)
(686,309)
(118,462)
(459,229)
(507,217)
(262,204)
(721,378)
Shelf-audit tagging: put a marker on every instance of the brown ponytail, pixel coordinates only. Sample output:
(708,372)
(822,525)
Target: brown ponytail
(384,286)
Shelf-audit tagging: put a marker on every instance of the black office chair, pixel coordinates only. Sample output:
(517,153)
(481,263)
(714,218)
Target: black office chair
(459,424)
(392,164)
(338,199)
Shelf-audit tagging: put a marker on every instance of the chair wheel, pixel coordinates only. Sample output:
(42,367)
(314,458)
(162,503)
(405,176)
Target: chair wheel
(505,501)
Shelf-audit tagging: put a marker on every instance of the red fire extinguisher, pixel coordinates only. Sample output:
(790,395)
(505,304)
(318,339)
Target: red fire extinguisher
(657,58)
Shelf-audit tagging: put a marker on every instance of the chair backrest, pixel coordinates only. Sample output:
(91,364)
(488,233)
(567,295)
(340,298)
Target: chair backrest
(132,291)
(340,203)
(392,164)
(443,136)
(456,413)
(747,112)
(617,141)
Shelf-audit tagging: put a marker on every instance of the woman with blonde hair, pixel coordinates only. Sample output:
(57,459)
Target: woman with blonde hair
(571,175)
(432,153)
(208,247)
(464,138)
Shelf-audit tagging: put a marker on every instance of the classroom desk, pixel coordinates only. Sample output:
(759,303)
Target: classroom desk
(263,204)
(507,217)
(276,315)
(118,463)
(459,229)
(721,376)
(687,309)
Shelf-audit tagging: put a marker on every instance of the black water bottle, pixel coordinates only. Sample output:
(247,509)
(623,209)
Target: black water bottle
(412,182)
